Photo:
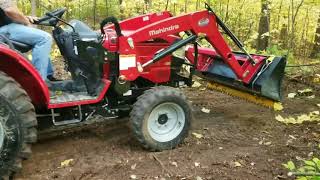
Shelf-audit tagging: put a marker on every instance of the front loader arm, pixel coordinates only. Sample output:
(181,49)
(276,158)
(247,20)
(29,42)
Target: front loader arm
(147,52)
(202,24)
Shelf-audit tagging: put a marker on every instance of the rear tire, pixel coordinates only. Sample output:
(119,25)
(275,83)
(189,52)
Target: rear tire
(17,126)
(161,118)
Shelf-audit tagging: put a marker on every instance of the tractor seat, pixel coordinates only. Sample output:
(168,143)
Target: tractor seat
(22,47)
(84,31)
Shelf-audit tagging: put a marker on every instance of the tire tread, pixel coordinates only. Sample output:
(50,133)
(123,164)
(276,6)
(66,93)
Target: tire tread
(140,107)
(22,103)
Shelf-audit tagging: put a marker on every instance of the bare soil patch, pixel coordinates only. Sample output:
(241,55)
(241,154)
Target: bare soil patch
(240,141)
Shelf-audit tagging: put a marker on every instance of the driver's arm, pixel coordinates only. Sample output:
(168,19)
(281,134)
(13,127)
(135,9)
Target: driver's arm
(15,14)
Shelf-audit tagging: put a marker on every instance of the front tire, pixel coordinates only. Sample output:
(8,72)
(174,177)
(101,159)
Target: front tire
(161,118)
(17,126)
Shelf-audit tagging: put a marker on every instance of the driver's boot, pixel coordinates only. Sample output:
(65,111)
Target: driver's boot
(53,79)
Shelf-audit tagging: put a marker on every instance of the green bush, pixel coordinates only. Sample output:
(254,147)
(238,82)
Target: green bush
(309,170)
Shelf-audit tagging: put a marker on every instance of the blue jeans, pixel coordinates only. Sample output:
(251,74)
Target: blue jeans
(41,42)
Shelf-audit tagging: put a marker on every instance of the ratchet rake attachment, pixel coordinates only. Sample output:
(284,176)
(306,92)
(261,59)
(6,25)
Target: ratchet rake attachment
(264,89)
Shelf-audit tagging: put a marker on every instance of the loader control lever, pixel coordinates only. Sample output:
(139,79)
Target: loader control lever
(114,21)
(226,29)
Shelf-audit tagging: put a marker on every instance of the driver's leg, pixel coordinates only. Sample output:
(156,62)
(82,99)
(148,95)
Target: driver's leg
(50,71)
(40,40)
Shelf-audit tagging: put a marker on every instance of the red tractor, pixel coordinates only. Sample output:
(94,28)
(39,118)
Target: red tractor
(130,67)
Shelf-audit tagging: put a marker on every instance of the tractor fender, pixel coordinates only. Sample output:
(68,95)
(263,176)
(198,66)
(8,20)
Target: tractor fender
(21,70)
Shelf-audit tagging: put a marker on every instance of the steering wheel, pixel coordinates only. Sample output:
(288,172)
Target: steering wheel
(50,19)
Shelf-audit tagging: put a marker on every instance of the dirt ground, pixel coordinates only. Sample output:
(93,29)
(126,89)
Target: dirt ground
(241,141)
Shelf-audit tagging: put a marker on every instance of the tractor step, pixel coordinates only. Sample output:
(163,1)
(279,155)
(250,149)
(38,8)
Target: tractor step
(59,97)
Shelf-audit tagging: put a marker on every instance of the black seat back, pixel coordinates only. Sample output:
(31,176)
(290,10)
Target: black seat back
(84,31)
(84,64)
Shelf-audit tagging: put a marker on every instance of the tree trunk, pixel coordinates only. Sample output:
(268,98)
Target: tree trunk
(107,8)
(79,7)
(316,47)
(185,5)
(284,36)
(279,14)
(264,26)
(148,4)
(227,12)
(94,13)
(33,8)
(66,4)
(167,5)
(121,10)
(294,15)
(197,4)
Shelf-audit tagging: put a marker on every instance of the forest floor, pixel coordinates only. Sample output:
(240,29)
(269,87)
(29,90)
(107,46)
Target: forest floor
(240,141)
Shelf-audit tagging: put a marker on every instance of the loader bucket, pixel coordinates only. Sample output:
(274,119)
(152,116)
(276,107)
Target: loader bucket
(267,83)
(270,82)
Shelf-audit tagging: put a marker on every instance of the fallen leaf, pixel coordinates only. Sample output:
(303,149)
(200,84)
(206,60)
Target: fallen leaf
(198,178)
(291,120)
(133,167)
(66,163)
(261,142)
(30,57)
(312,116)
(311,97)
(303,118)
(280,118)
(292,95)
(268,143)
(174,164)
(196,84)
(291,136)
(316,79)
(278,107)
(133,176)
(270,160)
(307,91)
(196,164)
(203,89)
(316,135)
(205,110)
(318,105)
(199,136)
(237,164)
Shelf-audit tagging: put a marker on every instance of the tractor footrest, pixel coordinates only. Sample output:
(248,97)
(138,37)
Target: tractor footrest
(59,97)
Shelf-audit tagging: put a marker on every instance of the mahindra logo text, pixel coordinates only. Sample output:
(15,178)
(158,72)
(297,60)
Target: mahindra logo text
(163,30)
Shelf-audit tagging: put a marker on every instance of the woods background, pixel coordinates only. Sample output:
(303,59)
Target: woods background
(280,27)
